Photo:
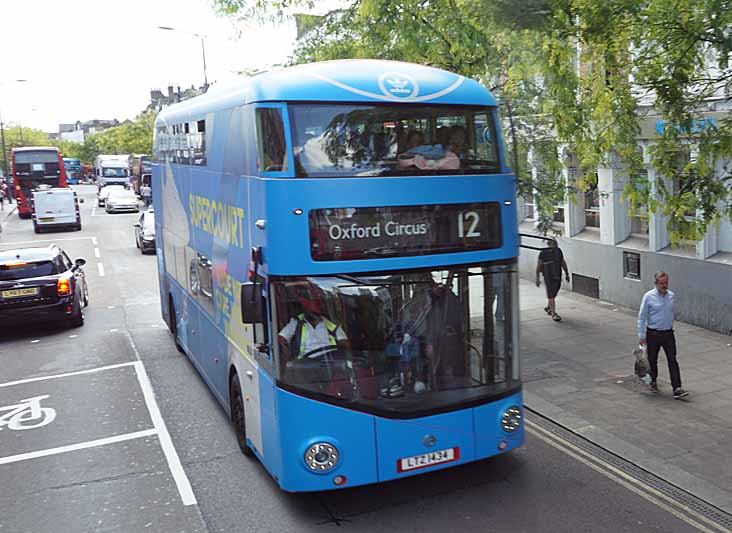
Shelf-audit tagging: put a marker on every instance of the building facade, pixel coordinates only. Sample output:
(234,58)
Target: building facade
(613,254)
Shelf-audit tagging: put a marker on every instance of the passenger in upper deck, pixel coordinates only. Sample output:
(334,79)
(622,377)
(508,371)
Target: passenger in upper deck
(457,143)
(414,138)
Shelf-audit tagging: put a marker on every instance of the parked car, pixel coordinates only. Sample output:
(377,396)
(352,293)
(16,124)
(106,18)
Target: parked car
(145,232)
(104,192)
(41,284)
(123,200)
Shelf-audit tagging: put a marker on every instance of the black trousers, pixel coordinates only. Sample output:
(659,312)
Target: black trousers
(655,340)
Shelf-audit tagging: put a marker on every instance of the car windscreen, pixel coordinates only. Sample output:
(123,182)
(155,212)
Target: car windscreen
(22,270)
(105,191)
(349,140)
(122,196)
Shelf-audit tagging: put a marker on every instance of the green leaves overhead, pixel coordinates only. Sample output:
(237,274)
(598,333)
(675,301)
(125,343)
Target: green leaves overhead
(576,80)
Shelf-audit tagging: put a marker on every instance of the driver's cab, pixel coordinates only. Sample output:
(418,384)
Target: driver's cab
(313,346)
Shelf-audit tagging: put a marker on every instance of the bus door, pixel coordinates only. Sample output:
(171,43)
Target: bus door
(260,396)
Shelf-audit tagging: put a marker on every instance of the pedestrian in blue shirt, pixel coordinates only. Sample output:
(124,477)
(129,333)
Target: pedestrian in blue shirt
(655,330)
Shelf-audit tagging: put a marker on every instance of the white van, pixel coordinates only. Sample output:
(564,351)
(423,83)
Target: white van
(55,208)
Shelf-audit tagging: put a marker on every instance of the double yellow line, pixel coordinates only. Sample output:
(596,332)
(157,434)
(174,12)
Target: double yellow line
(665,502)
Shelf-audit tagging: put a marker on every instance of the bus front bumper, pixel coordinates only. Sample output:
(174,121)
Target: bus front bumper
(371,449)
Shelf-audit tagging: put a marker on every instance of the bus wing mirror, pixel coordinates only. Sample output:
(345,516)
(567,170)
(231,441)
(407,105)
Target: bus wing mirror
(251,303)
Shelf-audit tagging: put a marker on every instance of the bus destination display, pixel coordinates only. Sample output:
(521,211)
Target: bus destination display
(375,232)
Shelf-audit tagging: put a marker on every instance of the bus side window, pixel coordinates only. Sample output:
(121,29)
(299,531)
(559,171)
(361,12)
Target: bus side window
(272,153)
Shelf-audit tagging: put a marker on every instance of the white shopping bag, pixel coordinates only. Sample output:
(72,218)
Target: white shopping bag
(642,368)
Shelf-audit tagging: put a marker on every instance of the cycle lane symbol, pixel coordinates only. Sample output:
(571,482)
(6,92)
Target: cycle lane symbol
(27,414)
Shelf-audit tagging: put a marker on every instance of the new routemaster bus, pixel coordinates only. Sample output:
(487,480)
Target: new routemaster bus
(34,166)
(74,171)
(337,248)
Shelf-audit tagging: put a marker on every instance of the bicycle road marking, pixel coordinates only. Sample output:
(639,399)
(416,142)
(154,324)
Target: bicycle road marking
(16,417)
(56,376)
(159,428)
(75,447)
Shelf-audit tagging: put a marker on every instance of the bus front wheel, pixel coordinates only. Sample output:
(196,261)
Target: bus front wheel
(237,415)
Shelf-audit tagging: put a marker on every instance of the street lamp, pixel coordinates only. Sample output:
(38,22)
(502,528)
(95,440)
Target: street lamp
(2,135)
(203,51)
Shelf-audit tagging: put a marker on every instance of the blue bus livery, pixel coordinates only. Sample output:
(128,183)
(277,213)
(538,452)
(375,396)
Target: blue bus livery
(74,170)
(337,248)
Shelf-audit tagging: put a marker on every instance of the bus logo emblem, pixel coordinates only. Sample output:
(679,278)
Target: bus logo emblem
(429,440)
(398,85)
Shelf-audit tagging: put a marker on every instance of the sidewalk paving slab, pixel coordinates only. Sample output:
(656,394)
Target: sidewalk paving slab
(579,373)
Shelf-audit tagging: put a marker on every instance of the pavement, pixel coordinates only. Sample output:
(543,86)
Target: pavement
(579,373)
(8,211)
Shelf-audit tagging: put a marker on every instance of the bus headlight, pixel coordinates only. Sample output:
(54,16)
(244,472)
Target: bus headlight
(322,457)
(511,419)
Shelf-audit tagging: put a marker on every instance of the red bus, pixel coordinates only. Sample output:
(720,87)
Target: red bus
(34,166)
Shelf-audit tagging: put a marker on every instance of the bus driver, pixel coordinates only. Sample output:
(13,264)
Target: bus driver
(310,332)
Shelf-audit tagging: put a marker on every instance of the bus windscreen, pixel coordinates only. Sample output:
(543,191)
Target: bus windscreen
(44,156)
(392,140)
(403,342)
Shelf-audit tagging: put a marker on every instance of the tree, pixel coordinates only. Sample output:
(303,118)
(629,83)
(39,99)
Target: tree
(15,137)
(571,75)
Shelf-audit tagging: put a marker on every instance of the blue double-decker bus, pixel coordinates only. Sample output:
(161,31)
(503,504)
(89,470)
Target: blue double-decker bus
(74,171)
(337,247)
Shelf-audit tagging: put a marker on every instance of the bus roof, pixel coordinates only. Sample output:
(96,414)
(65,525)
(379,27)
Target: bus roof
(348,80)
(36,149)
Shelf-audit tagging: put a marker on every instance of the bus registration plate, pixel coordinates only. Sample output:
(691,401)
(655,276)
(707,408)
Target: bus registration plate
(428,459)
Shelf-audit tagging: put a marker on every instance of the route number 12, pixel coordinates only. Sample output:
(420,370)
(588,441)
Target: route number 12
(469,219)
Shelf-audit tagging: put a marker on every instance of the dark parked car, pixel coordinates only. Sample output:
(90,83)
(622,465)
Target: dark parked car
(145,232)
(41,285)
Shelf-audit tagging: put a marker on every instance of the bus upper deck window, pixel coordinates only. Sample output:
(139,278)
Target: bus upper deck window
(272,156)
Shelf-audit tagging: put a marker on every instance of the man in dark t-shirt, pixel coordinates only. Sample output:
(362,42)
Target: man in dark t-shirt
(551,263)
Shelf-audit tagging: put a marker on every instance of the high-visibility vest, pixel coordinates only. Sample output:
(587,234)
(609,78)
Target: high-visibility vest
(301,334)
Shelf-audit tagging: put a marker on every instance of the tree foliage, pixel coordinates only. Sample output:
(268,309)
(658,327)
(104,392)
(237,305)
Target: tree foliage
(575,78)
(16,137)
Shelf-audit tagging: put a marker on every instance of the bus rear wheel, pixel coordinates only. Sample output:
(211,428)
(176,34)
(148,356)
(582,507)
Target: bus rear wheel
(237,416)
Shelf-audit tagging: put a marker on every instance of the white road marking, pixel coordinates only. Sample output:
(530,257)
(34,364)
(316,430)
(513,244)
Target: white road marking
(96,253)
(94,240)
(35,341)
(629,482)
(56,376)
(22,415)
(176,468)
(100,267)
(74,447)
(94,211)
(113,330)
(110,307)
(72,336)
